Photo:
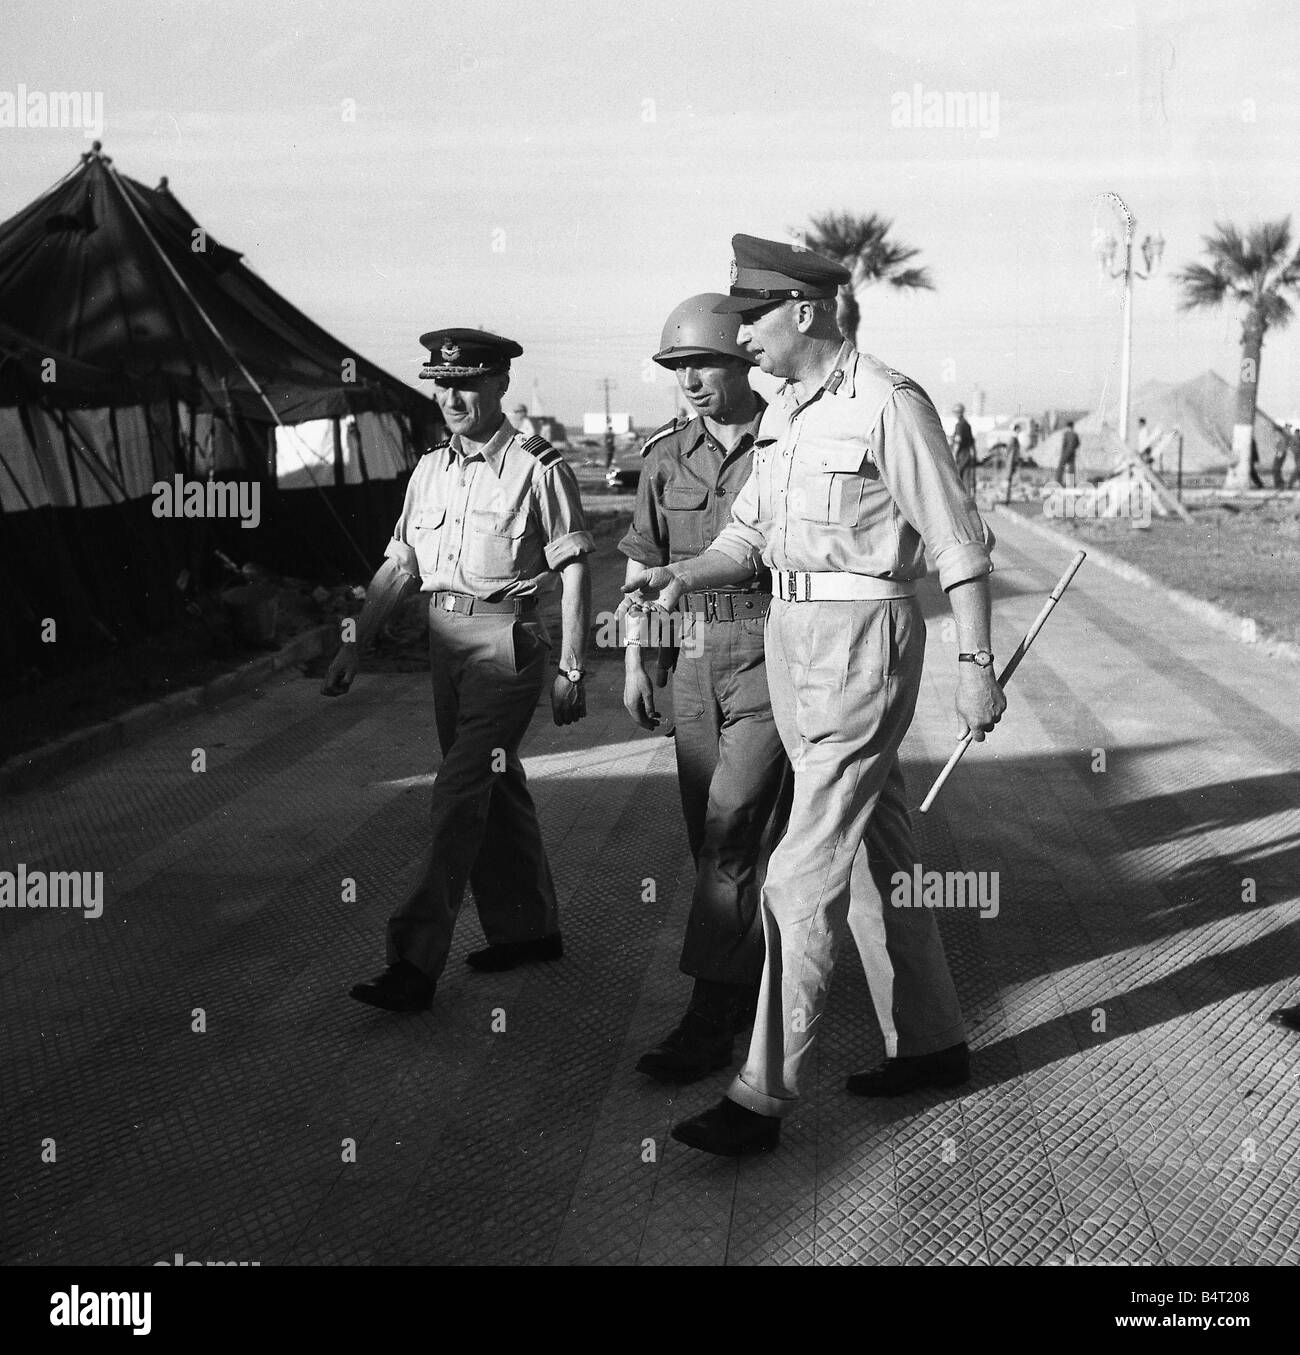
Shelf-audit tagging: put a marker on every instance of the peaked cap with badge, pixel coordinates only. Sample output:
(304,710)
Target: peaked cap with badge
(466,352)
(767,271)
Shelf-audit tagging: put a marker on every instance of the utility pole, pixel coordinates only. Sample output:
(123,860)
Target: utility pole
(609,423)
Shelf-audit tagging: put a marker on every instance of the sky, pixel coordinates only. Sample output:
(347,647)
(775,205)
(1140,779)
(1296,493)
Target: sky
(566,173)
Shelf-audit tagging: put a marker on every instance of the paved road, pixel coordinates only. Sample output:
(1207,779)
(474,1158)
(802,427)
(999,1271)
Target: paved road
(209,1088)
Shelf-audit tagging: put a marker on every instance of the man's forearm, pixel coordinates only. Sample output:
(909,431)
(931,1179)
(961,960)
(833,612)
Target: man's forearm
(973,610)
(575,612)
(389,586)
(713,569)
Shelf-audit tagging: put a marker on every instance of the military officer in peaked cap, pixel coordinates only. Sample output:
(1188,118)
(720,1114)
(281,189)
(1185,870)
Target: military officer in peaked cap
(732,772)
(490,518)
(853,480)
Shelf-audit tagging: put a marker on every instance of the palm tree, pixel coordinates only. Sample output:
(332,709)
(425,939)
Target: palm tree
(1254,270)
(862,245)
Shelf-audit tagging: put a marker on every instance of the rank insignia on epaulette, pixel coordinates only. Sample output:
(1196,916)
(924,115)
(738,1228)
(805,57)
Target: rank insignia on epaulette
(674,425)
(542,450)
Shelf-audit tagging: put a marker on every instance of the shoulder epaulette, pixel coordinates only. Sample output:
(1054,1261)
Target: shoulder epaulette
(542,450)
(674,425)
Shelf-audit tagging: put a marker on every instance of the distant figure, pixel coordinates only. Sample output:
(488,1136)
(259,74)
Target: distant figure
(1069,451)
(962,442)
(1281,448)
(1145,440)
(1255,481)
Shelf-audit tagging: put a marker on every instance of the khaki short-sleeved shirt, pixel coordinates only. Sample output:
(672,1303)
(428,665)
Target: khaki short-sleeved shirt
(858,478)
(688,484)
(494,524)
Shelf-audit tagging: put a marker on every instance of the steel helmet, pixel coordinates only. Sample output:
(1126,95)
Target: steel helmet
(692,330)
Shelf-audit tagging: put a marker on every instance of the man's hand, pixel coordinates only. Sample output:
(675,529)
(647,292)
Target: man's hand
(638,696)
(657,587)
(568,700)
(342,670)
(980,701)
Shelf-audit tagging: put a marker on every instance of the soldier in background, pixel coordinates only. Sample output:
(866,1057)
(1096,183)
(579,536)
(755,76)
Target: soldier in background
(1069,454)
(963,448)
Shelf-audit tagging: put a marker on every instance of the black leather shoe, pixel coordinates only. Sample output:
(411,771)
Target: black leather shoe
(1286,1016)
(729,1130)
(695,1049)
(400,988)
(895,1077)
(508,954)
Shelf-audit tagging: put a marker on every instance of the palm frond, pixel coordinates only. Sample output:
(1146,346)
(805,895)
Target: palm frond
(918,279)
(862,245)
(1253,267)
(1276,310)
(1201,286)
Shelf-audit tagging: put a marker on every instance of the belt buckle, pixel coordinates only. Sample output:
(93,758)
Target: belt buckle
(711,607)
(447,602)
(791,587)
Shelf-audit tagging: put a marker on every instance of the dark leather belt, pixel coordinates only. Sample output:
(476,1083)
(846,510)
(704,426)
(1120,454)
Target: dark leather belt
(466,605)
(727,606)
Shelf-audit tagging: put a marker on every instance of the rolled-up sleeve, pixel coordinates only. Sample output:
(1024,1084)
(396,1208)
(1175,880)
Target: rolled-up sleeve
(742,539)
(403,556)
(646,540)
(559,507)
(398,549)
(911,452)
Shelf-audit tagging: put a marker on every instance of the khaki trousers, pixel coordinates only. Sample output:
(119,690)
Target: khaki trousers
(844,678)
(488,673)
(735,786)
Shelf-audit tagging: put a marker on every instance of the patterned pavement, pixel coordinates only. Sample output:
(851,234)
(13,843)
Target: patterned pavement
(192,1064)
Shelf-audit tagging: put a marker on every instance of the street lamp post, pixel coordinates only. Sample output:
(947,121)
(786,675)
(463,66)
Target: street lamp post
(609,423)
(1106,246)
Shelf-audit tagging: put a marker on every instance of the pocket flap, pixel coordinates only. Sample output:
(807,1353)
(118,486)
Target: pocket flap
(685,497)
(512,525)
(846,458)
(426,518)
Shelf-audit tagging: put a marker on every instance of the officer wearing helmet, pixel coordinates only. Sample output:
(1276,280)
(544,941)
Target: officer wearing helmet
(733,774)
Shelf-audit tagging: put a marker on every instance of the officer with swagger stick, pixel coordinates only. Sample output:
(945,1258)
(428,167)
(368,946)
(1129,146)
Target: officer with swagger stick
(853,479)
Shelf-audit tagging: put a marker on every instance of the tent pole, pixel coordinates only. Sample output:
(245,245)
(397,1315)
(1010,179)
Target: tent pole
(115,179)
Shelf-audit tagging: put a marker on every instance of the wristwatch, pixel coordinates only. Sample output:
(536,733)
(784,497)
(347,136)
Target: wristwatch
(982,657)
(575,675)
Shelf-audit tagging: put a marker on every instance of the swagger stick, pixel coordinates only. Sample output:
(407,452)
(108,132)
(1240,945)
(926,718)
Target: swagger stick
(1012,664)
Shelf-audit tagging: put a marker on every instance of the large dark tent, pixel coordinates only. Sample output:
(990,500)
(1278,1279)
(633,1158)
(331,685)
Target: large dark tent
(134,349)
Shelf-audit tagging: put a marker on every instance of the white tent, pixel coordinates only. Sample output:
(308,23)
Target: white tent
(1201,410)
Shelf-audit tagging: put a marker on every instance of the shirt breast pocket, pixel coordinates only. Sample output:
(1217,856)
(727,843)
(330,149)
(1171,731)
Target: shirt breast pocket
(495,544)
(829,486)
(685,506)
(425,525)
